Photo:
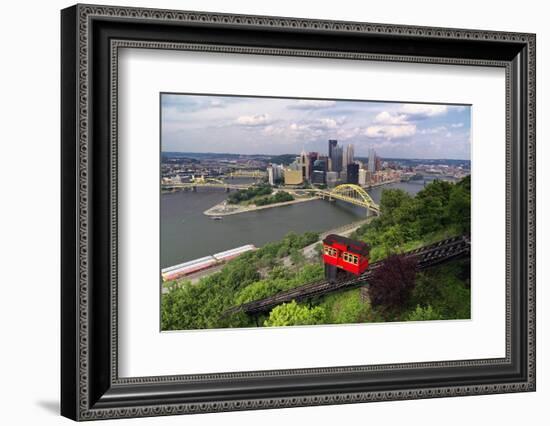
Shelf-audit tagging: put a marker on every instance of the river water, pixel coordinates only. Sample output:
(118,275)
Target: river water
(186,233)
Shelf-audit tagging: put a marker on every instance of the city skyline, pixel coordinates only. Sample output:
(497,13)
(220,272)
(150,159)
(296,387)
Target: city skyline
(275,126)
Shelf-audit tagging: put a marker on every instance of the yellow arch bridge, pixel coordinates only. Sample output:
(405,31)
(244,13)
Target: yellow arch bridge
(352,194)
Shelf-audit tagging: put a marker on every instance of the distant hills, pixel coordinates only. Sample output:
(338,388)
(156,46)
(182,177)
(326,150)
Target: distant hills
(288,158)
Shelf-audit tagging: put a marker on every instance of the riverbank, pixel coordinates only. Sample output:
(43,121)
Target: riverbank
(183,220)
(344,231)
(308,251)
(226,209)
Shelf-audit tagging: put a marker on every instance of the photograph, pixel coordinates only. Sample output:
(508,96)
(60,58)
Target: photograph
(280,211)
(264,209)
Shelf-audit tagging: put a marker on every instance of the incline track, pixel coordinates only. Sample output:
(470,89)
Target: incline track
(427,256)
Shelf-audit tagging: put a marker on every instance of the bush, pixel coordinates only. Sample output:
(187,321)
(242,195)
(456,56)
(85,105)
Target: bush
(392,282)
(293,314)
(279,279)
(247,194)
(443,289)
(423,314)
(439,206)
(279,197)
(347,308)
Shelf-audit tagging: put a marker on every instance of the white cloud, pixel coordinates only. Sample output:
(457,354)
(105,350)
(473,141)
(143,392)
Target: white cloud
(216,103)
(423,110)
(254,120)
(457,125)
(312,104)
(433,130)
(390,126)
(349,133)
(272,130)
(385,117)
(322,123)
(326,123)
(390,132)
(297,127)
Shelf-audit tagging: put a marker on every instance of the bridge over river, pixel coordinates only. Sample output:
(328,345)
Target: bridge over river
(349,193)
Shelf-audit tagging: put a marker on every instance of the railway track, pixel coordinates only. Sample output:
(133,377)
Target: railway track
(427,257)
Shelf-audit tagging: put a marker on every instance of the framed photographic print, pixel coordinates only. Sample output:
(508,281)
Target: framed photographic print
(263,212)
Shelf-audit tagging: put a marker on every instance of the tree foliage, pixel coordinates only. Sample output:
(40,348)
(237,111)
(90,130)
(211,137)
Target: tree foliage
(279,197)
(199,306)
(279,280)
(423,314)
(294,314)
(440,206)
(247,194)
(347,308)
(392,282)
(444,290)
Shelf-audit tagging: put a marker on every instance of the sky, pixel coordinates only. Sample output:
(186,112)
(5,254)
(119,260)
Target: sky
(258,125)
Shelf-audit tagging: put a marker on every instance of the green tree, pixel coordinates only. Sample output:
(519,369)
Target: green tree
(391,200)
(347,308)
(279,279)
(293,314)
(423,314)
(261,289)
(392,238)
(297,257)
(247,194)
(458,208)
(444,290)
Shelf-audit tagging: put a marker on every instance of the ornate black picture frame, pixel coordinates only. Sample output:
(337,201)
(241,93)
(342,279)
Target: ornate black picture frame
(91,36)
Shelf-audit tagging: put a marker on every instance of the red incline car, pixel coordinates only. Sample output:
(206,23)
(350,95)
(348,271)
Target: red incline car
(343,257)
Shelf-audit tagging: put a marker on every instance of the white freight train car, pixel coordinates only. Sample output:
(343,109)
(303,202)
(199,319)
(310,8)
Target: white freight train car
(193,266)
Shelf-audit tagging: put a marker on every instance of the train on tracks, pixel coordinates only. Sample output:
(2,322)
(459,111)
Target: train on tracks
(193,266)
(344,257)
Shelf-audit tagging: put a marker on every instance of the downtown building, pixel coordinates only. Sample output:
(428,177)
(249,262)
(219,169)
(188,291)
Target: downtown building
(364,177)
(335,155)
(352,174)
(275,173)
(319,170)
(349,157)
(372,161)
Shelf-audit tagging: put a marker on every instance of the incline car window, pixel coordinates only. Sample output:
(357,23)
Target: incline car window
(329,251)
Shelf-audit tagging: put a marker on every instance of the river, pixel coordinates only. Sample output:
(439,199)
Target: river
(186,233)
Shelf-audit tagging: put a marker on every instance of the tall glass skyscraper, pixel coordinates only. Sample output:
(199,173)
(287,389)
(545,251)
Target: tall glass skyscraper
(331,144)
(337,159)
(372,160)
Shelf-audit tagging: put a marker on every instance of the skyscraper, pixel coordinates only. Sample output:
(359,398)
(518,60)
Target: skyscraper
(275,173)
(362,177)
(332,179)
(352,173)
(336,159)
(319,169)
(349,157)
(331,144)
(372,161)
(323,160)
(304,165)
(312,156)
